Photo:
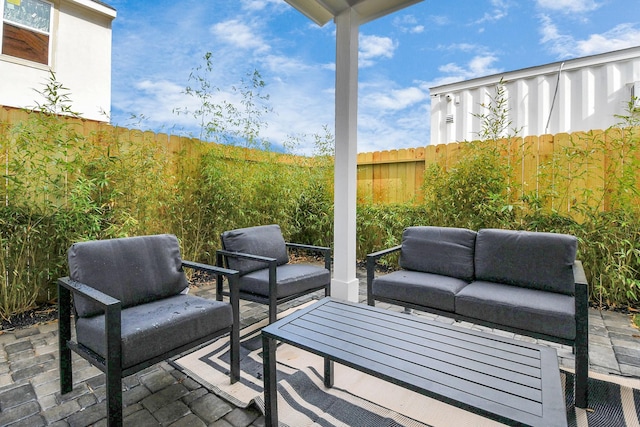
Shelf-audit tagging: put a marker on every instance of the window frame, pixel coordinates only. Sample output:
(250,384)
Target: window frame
(33,58)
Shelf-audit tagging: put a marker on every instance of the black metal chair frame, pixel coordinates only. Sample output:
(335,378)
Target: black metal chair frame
(580,344)
(271,263)
(112,365)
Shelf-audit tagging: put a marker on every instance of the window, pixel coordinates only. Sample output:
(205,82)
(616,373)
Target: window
(26,26)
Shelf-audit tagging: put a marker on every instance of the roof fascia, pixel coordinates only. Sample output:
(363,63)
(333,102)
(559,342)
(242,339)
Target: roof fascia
(540,70)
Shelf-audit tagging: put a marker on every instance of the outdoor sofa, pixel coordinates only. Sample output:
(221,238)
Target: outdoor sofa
(529,283)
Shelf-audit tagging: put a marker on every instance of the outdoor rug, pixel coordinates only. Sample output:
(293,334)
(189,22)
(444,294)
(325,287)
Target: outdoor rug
(359,399)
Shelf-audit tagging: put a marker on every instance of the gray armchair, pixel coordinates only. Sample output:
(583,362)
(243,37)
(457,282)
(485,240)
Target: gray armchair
(261,256)
(132,311)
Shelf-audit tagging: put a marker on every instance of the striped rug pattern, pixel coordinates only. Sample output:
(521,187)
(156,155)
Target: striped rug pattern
(358,399)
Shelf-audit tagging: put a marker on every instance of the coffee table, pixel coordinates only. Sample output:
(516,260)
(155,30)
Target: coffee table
(510,381)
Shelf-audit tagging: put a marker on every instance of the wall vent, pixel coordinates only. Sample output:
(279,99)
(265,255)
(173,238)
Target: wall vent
(449,118)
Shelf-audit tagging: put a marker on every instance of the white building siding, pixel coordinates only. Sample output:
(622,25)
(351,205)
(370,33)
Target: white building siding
(79,54)
(591,91)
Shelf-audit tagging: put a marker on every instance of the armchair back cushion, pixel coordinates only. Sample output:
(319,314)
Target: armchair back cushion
(439,250)
(535,260)
(263,240)
(133,270)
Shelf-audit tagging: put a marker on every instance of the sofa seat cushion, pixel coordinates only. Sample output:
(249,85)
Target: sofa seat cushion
(532,310)
(419,288)
(155,328)
(291,279)
(439,250)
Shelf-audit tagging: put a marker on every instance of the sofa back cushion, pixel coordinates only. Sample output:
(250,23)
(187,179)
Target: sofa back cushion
(133,270)
(533,260)
(263,240)
(439,250)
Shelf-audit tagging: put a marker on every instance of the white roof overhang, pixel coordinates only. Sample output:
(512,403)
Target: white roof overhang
(322,11)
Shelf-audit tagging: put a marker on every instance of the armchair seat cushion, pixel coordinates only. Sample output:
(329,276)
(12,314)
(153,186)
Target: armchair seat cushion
(291,279)
(529,309)
(415,287)
(157,327)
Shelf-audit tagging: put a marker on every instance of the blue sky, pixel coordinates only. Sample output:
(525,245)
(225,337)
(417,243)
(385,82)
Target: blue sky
(157,44)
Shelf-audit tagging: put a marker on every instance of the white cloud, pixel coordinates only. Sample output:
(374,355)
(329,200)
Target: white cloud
(303,103)
(478,66)
(239,35)
(259,5)
(565,46)
(464,47)
(499,11)
(408,24)
(408,128)
(569,6)
(619,37)
(373,48)
(392,117)
(440,20)
(394,99)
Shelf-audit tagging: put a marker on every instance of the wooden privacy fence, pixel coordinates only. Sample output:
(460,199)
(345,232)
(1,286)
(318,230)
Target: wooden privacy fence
(565,168)
(393,176)
(118,139)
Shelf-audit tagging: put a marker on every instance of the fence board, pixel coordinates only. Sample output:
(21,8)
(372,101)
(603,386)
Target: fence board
(396,176)
(365,178)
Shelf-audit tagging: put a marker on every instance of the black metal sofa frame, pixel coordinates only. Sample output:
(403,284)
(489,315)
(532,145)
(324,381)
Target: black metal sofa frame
(428,286)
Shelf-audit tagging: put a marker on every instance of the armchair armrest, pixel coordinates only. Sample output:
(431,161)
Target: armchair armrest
(224,253)
(66,284)
(325,251)
(209,268)
(234,289)
(233,278)
(112,325)
(372,258)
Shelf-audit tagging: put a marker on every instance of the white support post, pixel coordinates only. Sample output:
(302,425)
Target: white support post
(344,284)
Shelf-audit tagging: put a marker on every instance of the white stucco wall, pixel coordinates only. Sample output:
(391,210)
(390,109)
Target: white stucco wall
(590,92)
(79,54)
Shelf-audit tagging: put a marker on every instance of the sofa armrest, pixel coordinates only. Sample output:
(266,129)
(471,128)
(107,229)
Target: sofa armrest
(582,333)
(581,292)
(325,251)
(372,259)
(579,276)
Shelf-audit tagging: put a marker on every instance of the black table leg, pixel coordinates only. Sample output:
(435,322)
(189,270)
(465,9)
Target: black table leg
(270,381)
(328,372)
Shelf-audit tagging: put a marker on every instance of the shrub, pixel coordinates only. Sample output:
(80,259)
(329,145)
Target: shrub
(46,205)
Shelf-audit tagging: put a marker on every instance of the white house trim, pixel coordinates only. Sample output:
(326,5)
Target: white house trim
(566,96)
